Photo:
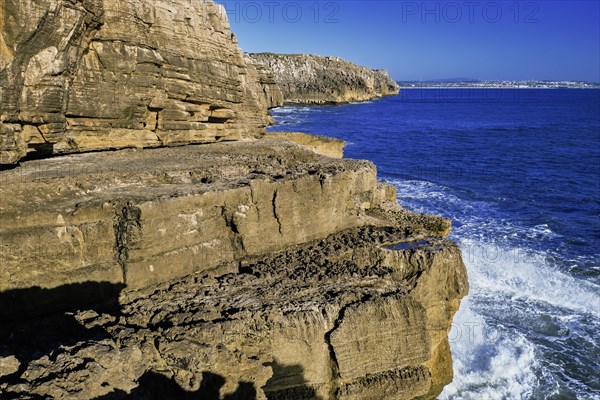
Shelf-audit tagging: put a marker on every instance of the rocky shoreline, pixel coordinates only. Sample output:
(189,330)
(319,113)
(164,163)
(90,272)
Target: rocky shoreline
(261,263)
(203,257)
(313,79)
(102,74)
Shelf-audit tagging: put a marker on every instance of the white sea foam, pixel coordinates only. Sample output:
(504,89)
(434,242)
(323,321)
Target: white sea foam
(494,358)
(542,230)
(290,109)
(489,363)
(493,250)
(524,275)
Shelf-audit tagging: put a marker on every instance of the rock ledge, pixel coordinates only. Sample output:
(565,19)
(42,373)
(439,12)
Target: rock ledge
(313,79)
(256,269)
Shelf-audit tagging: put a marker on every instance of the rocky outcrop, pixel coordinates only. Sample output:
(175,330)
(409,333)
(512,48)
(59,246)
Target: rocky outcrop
(256,269)
(106,74)
(323,145)
(253,269)
(263,85)
(312,79)
(110,217)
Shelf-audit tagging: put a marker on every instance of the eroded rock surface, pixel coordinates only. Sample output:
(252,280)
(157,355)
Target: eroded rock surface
(340,318)
(234,270)
(323,145)
(144,217)
(266,269)
(313,79)
(107,74)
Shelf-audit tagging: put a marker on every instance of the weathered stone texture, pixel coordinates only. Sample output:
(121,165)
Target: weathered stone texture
(256,269)
(325,146)
(107,74)
(313,79)
(142,218)
(311,322)
(264,269)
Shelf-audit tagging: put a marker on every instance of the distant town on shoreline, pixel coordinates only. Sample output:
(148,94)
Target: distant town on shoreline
(474,83)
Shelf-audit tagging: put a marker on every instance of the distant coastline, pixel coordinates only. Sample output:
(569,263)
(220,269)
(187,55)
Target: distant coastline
(473,84)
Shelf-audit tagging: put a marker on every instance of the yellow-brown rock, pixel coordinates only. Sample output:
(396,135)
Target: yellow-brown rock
(257,269)
(325,146)
(314,79)
(108,74)
(252,269)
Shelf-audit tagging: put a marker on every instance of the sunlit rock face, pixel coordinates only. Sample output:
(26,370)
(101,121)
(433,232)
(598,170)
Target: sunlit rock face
(108,74)
(259,267)
(252,269)
(313,79)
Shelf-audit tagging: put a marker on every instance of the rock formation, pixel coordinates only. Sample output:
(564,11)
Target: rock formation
(312,79)
(106,74)
(325,146)
(256,268)
(252,269)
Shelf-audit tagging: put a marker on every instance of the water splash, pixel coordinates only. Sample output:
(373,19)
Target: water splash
(489,362)
(521,309)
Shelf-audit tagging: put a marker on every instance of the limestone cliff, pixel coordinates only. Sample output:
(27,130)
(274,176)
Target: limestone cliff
(107,74)
(252,269)
(312,79)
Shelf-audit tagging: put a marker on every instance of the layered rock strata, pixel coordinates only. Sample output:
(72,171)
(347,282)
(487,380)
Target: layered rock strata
(264,269)
(106,74)
(313,79)
(236,270)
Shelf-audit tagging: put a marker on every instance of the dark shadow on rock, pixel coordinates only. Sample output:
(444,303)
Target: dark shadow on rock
(36,322)
(36,152)
(8,167)
(154,386)
(26,304)
(245,391)
(39,151)
(211,385)
(288,382)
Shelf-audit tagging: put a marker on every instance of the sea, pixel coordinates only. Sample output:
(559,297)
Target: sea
(518,172)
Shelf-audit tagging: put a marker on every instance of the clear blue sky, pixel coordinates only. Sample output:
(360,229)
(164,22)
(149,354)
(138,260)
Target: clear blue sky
(418,40)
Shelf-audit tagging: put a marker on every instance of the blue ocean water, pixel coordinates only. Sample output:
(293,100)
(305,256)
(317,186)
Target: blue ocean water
(518,172)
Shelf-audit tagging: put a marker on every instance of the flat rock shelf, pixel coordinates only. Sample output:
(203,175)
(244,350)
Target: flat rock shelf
(257,269)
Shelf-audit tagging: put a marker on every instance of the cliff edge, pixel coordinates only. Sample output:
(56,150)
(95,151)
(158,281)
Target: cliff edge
(250,268)
(313,79)
(202,258)
(106,74)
